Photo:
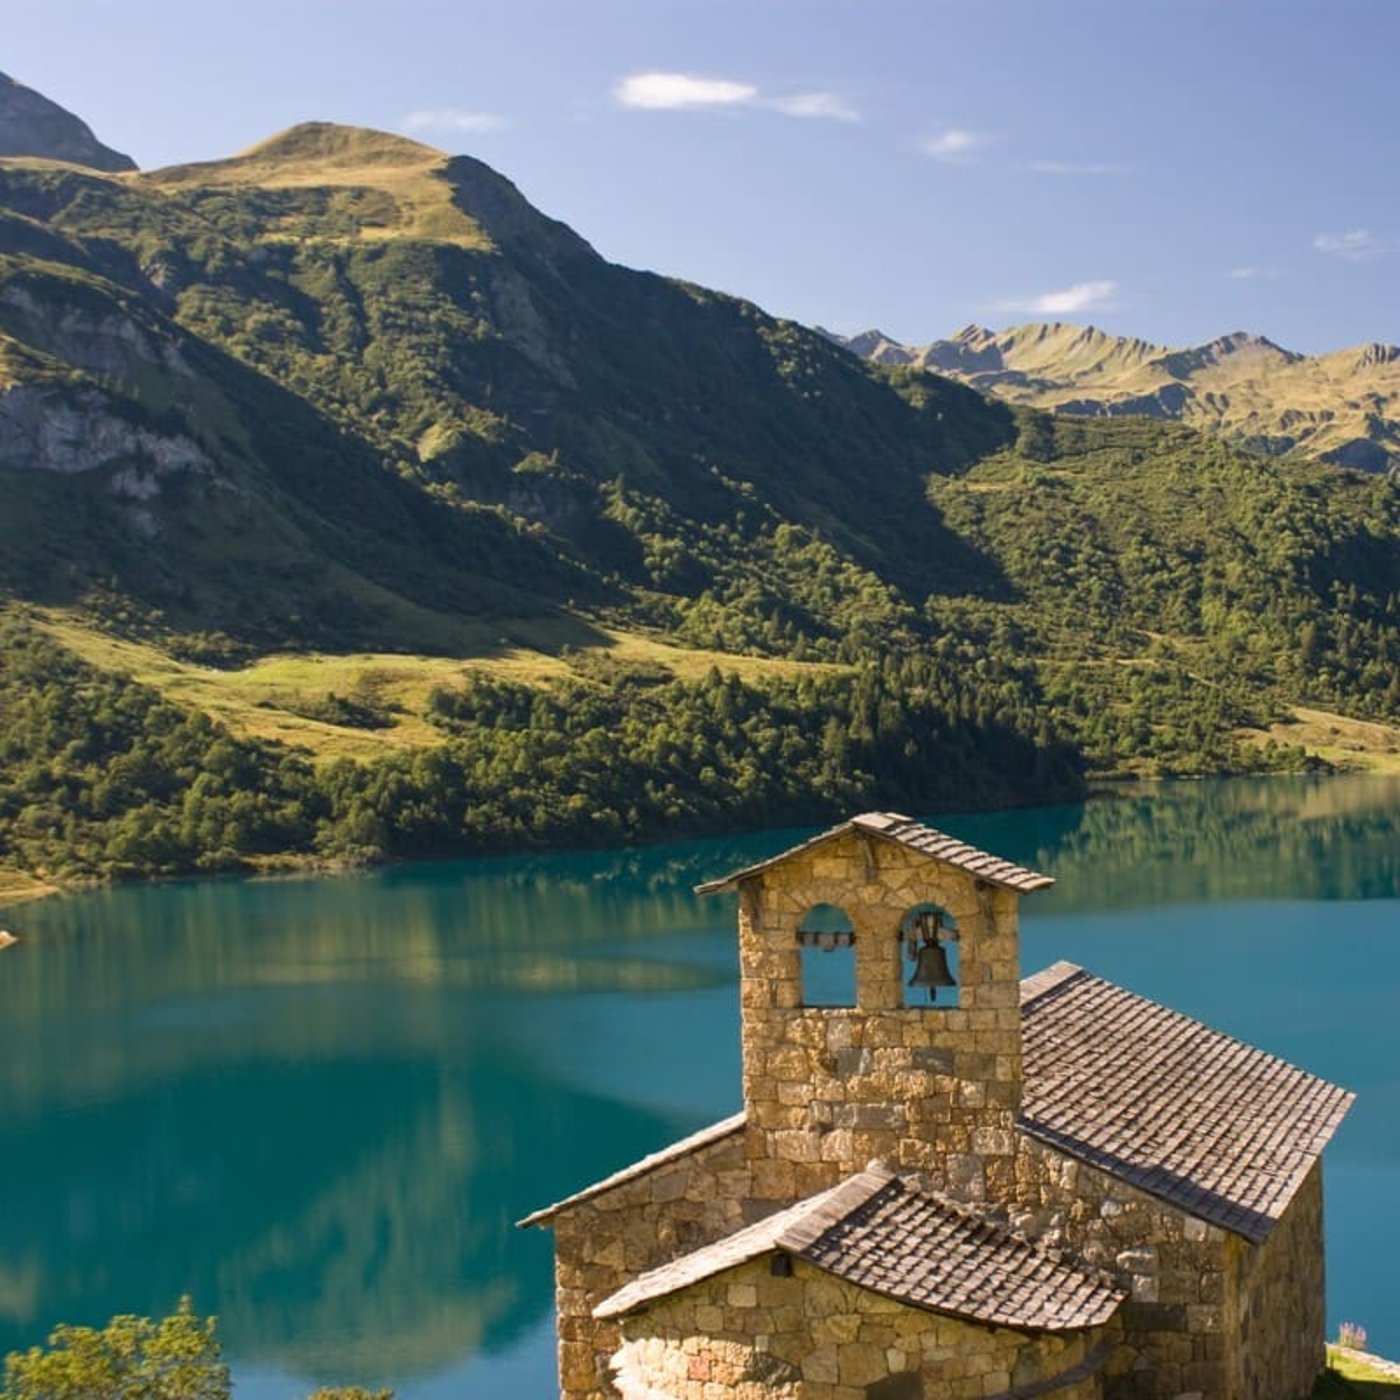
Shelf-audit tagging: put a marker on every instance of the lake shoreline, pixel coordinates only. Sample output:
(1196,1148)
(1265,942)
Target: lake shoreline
(18,887)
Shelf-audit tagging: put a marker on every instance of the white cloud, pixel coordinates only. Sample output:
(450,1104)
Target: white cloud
(1246,274)
(1083,296)
(1069,167)
(816,104)
(1354,245)
(957,144)
(679,91)
(451,119)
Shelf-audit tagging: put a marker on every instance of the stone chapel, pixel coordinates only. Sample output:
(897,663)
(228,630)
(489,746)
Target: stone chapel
(978,1187)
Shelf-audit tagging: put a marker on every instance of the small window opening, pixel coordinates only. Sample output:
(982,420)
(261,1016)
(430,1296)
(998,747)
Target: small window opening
(827,939)
(931,961)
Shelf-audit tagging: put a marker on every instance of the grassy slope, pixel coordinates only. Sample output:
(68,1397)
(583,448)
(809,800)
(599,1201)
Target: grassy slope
(16,887)
(1353,1375)
(268,698)
(1344,743)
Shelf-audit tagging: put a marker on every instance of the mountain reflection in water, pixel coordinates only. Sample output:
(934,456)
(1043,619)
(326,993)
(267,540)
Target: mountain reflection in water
(319,1105)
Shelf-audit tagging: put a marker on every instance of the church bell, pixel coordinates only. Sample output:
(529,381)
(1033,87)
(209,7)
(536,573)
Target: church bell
(931,961)
(931,969)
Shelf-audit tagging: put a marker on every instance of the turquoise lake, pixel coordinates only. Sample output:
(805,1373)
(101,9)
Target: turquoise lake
(318,1105)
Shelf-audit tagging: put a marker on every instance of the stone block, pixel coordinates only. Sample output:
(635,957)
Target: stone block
(993,1142)
(836,1146)
(936,1059)
(810,1177)
(1204,1317)
(860,1364)
(578,1366)
(1139,1261)
(871,1115)
(789,1063)
(773,1180)
(840,1032)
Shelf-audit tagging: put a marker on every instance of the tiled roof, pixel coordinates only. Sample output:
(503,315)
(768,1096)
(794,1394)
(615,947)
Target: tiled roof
(915,836)
(716,1132)
(1223,1130)
(877,1231)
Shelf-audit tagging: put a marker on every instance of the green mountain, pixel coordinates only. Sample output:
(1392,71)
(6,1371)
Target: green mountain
(491,542)
(486,357)
(35,126)
(1342,408)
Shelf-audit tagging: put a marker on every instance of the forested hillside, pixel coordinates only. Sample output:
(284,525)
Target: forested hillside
(338,462)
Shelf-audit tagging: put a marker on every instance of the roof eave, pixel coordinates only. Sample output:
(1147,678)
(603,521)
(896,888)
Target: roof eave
(1028,882)
(676,1152)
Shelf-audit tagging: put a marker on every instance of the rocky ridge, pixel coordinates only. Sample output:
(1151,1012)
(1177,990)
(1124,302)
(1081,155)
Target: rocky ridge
(1342,407)
(32,125)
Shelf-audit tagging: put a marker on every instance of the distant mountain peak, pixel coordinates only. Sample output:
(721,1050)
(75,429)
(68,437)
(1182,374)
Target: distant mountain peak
(35,126)
(1240,384)
(875,345)
(1245,342)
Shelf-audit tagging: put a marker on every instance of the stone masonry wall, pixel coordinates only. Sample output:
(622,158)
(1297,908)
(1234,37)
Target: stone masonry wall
(928,1088)
(1276,1318)
(1175,1266)
(606,1240)
(745,1335)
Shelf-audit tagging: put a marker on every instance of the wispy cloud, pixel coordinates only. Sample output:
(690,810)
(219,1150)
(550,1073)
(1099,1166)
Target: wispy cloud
(1355,245)
(1083,296)
(957,144)
(451,119)
(1070,167)
(815,104)
(679,92)
(662,92)
(1248,274)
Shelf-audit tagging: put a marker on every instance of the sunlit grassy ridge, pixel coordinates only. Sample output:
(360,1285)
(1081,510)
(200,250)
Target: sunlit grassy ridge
(352,184)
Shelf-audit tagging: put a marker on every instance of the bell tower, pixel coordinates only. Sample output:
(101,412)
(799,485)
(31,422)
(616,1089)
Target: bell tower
(925,1078)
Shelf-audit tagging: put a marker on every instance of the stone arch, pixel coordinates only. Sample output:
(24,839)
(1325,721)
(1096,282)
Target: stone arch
(930,926)
(826,937)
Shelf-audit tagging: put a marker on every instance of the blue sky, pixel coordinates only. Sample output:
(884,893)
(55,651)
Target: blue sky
(1174,171)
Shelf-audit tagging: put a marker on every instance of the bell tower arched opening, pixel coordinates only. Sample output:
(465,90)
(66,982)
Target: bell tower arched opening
(931,951)
(827,939)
